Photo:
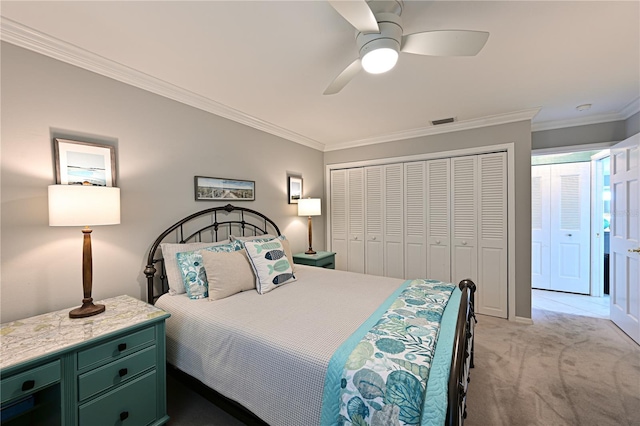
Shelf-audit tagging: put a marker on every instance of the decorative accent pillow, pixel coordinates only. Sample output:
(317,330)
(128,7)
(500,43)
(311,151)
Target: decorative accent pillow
(169,252)
(270,264)
(193,273)
(264,239)
(227,273)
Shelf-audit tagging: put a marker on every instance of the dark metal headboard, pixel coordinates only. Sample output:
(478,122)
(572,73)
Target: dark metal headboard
(245,222)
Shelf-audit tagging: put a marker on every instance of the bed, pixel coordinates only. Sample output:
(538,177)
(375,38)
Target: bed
(329,347)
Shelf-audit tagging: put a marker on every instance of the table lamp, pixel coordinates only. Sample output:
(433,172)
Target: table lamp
(80,205)
(309,207)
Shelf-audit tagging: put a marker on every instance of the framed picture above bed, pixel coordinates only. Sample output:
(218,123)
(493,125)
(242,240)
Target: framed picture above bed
(84,163)
(215,189)
(294,188)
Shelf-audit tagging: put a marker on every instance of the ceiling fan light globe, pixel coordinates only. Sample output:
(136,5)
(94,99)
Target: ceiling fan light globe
(379,61)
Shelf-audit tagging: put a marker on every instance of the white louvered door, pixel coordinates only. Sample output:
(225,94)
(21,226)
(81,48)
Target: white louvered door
(415,209)
(540,226)
(394,220)
(492,234)
(355,220)
(339,217)
(464,247)
(373,212)
(438,191)
(570,225)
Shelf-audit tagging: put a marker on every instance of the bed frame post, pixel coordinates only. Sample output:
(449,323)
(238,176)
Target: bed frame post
(462,358)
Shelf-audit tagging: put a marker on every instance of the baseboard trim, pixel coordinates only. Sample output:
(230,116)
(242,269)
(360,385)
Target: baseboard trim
(524,320)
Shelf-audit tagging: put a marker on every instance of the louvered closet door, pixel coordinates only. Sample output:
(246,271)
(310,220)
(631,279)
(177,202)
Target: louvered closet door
(492,234)
(339,217)
(570,225)
(464,247)
(394,220)
(355,220)
(438,190)
(540,226)
(415,220)
(373,212)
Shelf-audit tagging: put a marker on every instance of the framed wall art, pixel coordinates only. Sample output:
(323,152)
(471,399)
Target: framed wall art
(294,189)
(84,163)
(214,189)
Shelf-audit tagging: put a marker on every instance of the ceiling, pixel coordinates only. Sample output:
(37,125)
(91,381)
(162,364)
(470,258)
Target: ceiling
(266,63)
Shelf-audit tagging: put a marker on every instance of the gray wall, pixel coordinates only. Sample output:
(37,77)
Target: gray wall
(520,134)
(161,145)
(633,125)
(580,135)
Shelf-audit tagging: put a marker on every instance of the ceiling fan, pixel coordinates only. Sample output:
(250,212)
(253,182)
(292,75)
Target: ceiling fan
(380,39)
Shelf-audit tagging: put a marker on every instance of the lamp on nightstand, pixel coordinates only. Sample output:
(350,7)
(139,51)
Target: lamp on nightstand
(79,205)
(309,207)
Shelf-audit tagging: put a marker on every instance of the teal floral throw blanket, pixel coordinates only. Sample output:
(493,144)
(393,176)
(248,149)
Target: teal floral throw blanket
(379,375)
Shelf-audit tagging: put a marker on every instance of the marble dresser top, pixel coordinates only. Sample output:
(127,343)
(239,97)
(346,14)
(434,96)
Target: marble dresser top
(37,336)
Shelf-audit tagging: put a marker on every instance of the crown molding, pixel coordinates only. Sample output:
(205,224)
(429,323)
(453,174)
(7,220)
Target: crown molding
(435,130)
(28,38)
(632,107)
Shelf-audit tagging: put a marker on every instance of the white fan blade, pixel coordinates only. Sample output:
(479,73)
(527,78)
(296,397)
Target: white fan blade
(358,14)
(344,78)
(445,43)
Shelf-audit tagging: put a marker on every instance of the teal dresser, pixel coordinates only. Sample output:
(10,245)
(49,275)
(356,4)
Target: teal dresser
(322,259)
(108,369)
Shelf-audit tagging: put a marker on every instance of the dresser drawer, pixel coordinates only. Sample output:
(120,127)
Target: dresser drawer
(117,372)
(116,348)
(29,381)
(133,403)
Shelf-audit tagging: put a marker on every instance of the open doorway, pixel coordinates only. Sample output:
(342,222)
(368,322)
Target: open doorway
(570,226)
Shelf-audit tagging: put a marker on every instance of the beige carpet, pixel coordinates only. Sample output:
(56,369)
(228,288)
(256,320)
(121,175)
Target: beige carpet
(563,370)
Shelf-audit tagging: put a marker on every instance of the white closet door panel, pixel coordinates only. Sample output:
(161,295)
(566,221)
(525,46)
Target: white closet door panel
(355,217)
(464,247)
(540,226)
(415,220)
(394,220)
(374,198)
(339,217)
(438,189)
(570,227)
(492,234)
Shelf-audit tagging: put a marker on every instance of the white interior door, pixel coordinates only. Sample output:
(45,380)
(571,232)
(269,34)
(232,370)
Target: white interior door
(355,216)
(415,183)
(464,247)
(597,223)
(625,237)
(570,227)
(394,220)
(540,226)
(438,192)
(373,212)
(339,217)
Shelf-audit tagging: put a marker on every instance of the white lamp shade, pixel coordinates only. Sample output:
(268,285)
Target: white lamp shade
(309,207)
(78,205)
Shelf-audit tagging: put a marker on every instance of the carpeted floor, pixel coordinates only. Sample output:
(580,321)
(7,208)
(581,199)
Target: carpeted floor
(563,370)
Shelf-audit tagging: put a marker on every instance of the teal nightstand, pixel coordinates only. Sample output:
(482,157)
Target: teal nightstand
(323,259)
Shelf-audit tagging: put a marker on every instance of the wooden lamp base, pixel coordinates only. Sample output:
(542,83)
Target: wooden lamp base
(87,309)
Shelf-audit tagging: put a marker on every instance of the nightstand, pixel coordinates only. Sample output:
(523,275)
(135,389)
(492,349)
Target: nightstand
(323,259)
(101,370)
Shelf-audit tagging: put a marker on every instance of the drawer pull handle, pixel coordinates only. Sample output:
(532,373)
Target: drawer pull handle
(123,372)
(122,347)
(29,384)
(124,415)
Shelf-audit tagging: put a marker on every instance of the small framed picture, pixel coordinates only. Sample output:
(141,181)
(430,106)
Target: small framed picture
(84,163)
(214,189)
(294,189)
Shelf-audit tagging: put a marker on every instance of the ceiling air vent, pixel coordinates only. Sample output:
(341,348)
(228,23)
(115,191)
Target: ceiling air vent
(443,121)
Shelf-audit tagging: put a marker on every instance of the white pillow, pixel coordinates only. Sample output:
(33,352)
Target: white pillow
(270,264)
(267,237)
(228,273)
(169,253)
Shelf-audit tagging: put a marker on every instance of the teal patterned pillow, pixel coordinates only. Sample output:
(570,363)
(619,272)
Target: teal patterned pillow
(270,264)
(192,270)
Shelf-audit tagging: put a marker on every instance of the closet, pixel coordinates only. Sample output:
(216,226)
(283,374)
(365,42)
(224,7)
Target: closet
(443,219)
(560,224)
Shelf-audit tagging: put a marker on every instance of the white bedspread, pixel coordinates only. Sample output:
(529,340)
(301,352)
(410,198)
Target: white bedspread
(270,352)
